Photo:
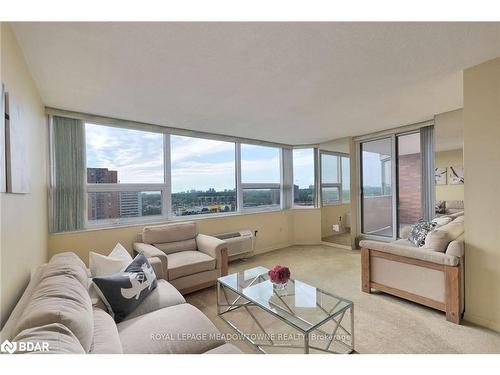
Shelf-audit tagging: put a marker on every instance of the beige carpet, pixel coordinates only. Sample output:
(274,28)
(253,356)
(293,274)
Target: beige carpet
(383,324)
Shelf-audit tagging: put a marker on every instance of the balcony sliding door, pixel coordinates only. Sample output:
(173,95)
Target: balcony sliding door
(377,187)
(409,179)
(396,174)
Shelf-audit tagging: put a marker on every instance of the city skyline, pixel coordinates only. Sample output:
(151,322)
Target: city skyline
(126,204)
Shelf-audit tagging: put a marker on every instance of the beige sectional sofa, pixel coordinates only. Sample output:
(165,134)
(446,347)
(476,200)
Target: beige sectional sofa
(432,275)
(56,308)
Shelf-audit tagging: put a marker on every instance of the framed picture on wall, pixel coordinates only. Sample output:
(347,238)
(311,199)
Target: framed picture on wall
(440,176)
(17,165)
(3,182)
(456,175)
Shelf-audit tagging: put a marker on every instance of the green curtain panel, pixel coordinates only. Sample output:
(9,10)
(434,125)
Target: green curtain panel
(68,190)
(428,189)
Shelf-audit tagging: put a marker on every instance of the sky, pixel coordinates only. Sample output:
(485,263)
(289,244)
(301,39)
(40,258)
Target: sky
(136,155)
(303,167)
(197,163)
(371,169)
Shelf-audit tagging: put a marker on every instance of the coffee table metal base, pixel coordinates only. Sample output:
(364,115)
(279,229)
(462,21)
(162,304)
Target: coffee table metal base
(226,306)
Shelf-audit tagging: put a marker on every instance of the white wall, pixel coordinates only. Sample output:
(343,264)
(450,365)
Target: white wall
(23,216)
(275,230)
(482,193)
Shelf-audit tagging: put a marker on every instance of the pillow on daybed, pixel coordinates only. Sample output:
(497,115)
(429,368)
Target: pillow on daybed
(439,238)
(419,232)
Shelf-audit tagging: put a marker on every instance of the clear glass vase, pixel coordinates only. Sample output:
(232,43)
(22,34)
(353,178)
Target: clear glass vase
(279,286)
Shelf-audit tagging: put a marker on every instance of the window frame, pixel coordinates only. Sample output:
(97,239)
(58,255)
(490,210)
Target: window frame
(165,188)
(338,184)
(316,173)
(348,157)
(240,185)
(168,173)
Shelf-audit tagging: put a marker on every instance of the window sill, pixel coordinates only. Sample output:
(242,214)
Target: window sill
(159,221)
(335,204)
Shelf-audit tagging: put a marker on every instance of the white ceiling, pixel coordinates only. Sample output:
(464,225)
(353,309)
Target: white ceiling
(294,83)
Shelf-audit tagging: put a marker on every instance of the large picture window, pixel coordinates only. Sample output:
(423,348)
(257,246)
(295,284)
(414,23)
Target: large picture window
(260,177)
(125,174)
(139,173)
(335,178)
(303,177)
(203,176)
(117,155)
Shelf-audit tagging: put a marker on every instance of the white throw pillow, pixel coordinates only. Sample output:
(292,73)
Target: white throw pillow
(116,261)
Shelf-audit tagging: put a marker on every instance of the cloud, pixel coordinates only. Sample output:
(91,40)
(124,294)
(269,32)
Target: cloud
(136,155)
(187,148)
(196,163)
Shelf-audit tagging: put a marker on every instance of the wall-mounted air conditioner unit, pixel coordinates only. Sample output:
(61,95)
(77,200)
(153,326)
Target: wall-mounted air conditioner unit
(240,244)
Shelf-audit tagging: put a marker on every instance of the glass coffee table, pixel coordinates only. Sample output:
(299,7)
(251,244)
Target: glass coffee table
(313,320)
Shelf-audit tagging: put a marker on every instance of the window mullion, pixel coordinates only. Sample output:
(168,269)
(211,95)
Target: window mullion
(167,171)
(287,198)
(239,185)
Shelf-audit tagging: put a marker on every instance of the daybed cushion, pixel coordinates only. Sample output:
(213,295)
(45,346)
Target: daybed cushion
(442,220)
(59,338)
(187,263)
(60,297)
(439,238)
(456,214)
(176,330)
(106,339)
(164,295)
(405,242)
(456,248)
(407,251)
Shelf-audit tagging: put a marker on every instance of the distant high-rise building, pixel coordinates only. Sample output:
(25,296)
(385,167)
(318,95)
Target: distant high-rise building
(102,205)
(101,176)
(130,204)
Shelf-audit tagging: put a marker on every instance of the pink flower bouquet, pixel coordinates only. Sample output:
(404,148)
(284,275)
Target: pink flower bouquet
(279,275)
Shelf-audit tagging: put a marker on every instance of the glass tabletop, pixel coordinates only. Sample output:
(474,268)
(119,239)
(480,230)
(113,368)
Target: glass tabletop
(299,304)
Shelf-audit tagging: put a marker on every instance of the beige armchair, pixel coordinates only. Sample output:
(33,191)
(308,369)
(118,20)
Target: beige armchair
(188,260)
